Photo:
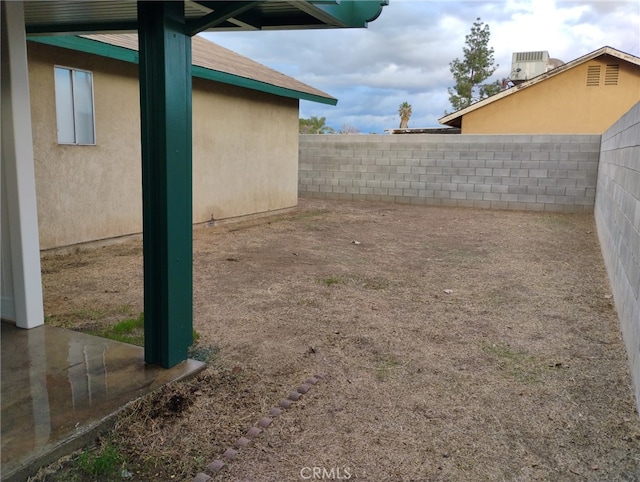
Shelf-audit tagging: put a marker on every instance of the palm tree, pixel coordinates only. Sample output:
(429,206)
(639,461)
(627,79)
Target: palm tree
(404,111)
(314,125)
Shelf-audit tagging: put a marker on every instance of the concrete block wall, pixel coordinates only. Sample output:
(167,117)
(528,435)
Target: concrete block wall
(617,216)
(524,172)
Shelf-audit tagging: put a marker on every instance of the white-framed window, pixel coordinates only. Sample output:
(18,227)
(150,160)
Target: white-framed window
(74,106)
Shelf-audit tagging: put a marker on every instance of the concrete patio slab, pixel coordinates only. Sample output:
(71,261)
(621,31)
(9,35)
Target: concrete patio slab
(60,388)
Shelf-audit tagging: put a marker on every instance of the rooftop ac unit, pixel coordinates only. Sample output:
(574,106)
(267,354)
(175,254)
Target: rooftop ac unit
(526,65)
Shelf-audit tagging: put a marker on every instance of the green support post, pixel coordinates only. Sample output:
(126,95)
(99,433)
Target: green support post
(165,101)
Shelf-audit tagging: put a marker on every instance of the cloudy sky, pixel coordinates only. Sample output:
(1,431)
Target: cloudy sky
(404,55)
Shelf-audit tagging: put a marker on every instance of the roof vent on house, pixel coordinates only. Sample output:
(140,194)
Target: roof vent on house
(593,75)
(611,74)
(526,65)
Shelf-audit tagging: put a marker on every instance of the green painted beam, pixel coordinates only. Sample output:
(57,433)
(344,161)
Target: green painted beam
(166,107)
(120,53)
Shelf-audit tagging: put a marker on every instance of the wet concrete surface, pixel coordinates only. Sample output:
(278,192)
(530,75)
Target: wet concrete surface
(60,388)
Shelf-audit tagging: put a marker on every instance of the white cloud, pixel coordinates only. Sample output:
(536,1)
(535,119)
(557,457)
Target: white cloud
(404,55)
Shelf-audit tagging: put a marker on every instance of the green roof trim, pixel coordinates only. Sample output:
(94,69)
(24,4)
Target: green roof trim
(258,85)
(127,55)
(75,27)
(89,46)
(351,13)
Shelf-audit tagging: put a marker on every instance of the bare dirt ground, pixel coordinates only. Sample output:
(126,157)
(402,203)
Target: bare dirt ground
(457,345)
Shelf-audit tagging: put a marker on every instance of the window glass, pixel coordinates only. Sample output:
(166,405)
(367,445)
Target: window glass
(64,106)
(74,106)
(83,101)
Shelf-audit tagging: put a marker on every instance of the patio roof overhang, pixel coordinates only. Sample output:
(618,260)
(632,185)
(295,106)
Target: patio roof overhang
(79,16)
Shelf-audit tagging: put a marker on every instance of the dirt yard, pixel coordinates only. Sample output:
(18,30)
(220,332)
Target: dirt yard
(455,344)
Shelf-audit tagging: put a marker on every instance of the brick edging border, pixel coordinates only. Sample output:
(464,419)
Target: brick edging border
(255,430)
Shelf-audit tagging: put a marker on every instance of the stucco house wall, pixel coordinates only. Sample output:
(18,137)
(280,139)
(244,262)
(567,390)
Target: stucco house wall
(245,152)
(85,193)
(562,104)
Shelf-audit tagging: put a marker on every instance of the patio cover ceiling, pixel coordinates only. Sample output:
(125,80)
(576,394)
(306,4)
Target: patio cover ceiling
(80,16)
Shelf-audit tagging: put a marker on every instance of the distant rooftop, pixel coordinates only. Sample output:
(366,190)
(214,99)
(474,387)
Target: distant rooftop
(430,130)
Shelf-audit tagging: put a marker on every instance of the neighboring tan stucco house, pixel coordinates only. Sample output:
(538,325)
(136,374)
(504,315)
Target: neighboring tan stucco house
(245,138)
(584,96)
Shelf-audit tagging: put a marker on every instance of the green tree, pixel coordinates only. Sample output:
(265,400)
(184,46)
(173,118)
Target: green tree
(314,125)
(404,111)
(476,67)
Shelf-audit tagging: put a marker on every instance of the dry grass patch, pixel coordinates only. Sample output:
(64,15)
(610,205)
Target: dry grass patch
(516,372)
